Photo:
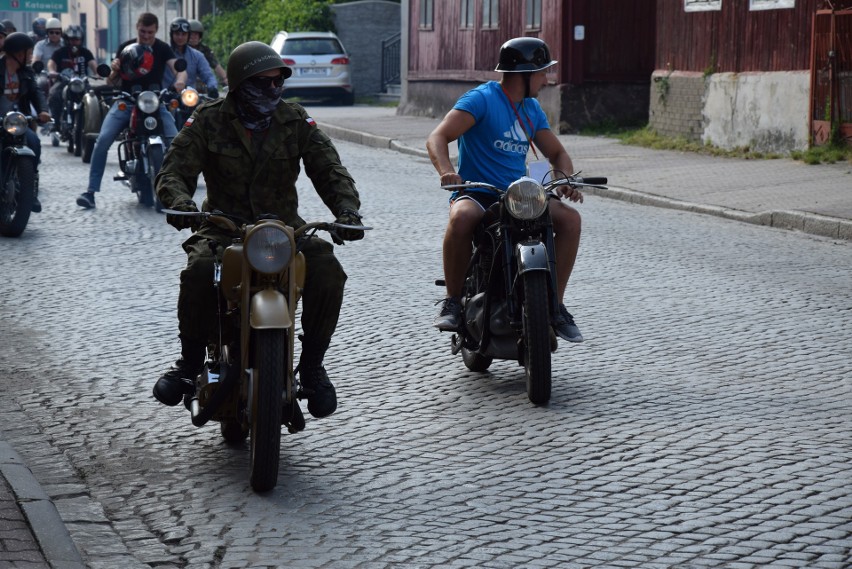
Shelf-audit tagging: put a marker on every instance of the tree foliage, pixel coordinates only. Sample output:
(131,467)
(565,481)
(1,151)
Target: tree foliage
(240,21)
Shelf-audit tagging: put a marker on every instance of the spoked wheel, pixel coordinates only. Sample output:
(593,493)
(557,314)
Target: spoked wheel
(536,337)
(266,390)
(15,213)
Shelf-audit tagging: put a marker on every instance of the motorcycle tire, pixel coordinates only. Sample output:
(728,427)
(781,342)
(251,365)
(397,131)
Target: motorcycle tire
(233,431)
(54,138)
(77,138)
(15,216)
(88,148)
(266,390)
(537,364)
(71,144)
(155,164)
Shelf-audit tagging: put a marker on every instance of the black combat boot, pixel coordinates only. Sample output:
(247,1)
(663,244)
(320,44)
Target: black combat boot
(179,380)
(36,204)
(316,387)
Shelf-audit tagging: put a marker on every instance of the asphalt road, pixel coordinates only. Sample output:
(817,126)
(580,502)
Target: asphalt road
(705,422)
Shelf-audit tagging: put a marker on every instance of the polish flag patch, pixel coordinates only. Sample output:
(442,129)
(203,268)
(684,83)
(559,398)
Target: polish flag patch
(311,121)
(189,121)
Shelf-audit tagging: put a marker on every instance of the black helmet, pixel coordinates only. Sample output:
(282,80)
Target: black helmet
(137,60)
(251,58)
(2,29)
(196,26)
(9,25)
(179,25)
(524,55)
(39,26)
(17,42)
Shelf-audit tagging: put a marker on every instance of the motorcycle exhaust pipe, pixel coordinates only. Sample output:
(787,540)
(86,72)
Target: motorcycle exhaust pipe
(201,415)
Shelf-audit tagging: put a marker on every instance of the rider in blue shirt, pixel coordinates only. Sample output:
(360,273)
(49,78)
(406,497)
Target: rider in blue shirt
(496,124)
(196,64)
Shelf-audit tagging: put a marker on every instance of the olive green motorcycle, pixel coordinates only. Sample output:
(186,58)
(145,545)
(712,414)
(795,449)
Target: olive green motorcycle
(249,384)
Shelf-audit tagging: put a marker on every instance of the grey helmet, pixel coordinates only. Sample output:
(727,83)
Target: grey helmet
(196,26)
(74,31)
(251,58)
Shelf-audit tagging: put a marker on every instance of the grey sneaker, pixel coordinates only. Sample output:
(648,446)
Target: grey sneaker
(449,319)
(86,200)
(565,328)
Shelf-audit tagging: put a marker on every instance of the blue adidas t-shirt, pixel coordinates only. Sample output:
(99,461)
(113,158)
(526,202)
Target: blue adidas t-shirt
(494,150)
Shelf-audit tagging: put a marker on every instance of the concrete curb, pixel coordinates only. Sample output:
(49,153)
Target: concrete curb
(47,526)
(805,222)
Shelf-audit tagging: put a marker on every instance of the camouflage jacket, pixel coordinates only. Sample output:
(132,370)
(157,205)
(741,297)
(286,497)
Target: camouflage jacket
(243,182)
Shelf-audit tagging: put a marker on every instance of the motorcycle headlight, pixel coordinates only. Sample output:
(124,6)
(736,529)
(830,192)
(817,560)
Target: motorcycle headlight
(189,97)
(76,85)
(268,249)
(15,123)
(148,102)
(526,199)
(150,123)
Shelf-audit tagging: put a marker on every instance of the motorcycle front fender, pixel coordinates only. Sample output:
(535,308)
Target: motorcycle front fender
(152,140)
(531,256)
(21,151)
(269,310)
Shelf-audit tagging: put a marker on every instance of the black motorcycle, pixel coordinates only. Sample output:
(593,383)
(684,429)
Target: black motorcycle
(188,101)
(18,184)
(97,102)
(70,126)
(509,299)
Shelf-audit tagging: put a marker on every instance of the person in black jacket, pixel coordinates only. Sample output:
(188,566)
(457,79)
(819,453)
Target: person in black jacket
(20,90)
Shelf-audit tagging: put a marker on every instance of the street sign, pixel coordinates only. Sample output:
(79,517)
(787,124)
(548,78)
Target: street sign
(54,6)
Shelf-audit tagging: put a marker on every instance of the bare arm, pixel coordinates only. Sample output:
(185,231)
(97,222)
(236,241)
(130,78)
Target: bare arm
(455,124)
(180,76)
(559,160)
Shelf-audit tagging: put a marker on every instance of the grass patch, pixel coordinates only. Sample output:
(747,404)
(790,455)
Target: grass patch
(648,138)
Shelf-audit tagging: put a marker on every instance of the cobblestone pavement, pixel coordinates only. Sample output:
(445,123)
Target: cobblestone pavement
(705,422)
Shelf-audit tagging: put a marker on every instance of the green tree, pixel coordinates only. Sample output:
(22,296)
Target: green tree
(259,20)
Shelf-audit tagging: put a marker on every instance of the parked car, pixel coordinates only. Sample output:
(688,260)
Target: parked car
(320,66)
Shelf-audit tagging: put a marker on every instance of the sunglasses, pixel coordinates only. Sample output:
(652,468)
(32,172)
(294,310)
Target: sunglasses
(180,27)
(265,81)
(51,32)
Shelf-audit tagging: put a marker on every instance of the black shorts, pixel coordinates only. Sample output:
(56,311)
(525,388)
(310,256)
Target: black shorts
(484,199)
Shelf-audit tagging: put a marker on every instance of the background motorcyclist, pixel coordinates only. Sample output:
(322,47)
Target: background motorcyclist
(3,33)
(196,33)
(139,62)
(232,141)
(496,125)
(19,90)
(71,56)
(45,48)
(38,32)
(196,64)
(9,26)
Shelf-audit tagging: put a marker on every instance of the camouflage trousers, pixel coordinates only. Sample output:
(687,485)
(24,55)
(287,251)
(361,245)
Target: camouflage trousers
(321,299)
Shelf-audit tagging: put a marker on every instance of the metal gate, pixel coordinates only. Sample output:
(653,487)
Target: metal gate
(831,76)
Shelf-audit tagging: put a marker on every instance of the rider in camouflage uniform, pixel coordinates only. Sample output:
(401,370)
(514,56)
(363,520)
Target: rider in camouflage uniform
(248,146)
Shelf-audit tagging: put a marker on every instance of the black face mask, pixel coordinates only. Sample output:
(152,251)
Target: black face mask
(257,99)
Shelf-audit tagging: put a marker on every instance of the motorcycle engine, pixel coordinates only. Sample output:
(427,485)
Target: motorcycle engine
(474,317)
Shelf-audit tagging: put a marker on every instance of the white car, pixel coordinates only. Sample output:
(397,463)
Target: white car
(320,66)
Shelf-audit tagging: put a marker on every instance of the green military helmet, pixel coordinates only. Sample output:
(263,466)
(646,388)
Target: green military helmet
(196,26)
(251,58)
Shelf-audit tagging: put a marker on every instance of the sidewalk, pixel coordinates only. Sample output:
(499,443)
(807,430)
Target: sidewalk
(779,193)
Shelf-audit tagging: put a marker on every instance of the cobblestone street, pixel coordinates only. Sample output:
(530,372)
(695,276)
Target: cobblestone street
(705,422)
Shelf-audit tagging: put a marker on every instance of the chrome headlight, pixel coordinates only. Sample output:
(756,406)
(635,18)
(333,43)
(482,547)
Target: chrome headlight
(526,199)
(268,249)
(76,85)
(15,123)
(150,123)
(148,102)
(189,97)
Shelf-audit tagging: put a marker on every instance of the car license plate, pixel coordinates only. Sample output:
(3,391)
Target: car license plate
(313,71)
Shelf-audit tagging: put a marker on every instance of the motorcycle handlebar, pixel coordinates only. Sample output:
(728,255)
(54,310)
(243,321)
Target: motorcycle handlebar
(230,219)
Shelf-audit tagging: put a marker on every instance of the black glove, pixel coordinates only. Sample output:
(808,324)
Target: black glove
(213,93)
(184,221)
(347,217)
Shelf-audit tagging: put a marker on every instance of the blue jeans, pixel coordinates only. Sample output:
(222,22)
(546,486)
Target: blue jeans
(34,144)
(114,122)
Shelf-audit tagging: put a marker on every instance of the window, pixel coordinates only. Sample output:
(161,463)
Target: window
(533,15)
(426,14)
(466,17)
(490,13)
(702,5)
(771,4)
